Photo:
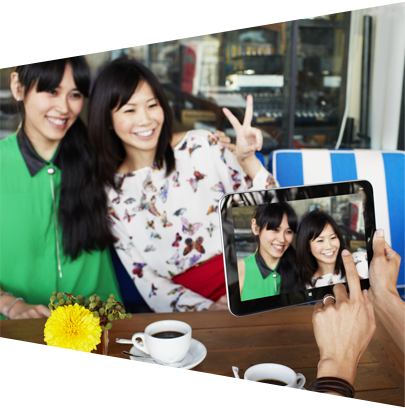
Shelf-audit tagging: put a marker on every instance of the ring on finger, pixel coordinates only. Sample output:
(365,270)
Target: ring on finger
(327,297)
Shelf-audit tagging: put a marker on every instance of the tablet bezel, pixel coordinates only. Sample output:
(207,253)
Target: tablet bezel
(229,201)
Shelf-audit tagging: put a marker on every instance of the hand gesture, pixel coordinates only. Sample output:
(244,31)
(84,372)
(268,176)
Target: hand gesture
(343,328)
(220,304)
(22,310)
(384,267)
(248,139)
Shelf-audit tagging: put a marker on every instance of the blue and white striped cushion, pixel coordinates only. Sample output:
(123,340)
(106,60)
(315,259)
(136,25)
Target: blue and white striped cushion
(385,170)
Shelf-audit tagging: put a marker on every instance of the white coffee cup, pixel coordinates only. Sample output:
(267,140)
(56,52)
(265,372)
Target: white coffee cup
(168,350)
(278,372)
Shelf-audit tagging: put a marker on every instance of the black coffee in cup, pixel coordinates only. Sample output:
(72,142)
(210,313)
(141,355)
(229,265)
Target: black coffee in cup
(272,381)
(167,335)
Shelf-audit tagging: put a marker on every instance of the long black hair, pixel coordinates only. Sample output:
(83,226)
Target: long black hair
(269,217)
(310,228)
(113,88)
(83,202)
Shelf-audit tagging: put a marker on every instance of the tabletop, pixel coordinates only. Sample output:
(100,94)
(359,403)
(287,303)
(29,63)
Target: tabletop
(282,336)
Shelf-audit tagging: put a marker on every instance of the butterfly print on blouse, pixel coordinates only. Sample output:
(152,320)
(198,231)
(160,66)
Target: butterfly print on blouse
(129,200)
(177,290)
(164,220)
(128,216)
(138,269)
(211,228)
(222,157)
(154,235)
(194,259)
(176,182)
(219,187)
(212,209)
(194,181)
(153,291)
(248,181)
(183,146)
(235,177)
(180,211)
(190,228)
(163,191)
(197,245)
(193,148)
(212,141)
(177,262)
(148,205)
(154,167)
(148,184)
(150,224)
(177,240)
(116,200)
(149,248)
(112,213)
(270,182)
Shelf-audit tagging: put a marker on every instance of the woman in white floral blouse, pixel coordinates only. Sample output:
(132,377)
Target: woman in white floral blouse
(163,201)
(319,251)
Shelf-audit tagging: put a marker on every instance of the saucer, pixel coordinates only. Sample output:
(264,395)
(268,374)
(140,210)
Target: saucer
(234,394)
(194,356)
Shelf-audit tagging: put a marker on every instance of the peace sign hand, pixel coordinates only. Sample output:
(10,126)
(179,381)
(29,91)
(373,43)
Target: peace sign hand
(248,139)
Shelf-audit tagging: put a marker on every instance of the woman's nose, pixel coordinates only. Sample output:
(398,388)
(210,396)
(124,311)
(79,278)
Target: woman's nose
(143,117)
(62,105)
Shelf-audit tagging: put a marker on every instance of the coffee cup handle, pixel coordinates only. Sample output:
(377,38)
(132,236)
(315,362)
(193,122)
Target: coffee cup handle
(138,345)
(300,380)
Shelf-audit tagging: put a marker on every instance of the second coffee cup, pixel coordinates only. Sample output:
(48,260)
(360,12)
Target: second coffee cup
(165,340)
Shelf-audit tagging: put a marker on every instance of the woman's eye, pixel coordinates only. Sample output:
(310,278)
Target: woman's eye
(153,105)
(129,111)
(76,95)
(52,92)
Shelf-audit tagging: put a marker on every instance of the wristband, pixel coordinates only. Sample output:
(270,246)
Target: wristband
(6,293)
(333,384)
(12,304)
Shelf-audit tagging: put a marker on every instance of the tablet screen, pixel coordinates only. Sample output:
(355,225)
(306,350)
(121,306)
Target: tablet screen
(283,247)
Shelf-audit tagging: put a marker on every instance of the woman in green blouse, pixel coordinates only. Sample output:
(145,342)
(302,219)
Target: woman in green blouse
(54,230)
(273,269)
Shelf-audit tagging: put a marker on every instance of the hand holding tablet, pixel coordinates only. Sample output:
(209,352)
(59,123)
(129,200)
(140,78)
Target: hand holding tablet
(283,246)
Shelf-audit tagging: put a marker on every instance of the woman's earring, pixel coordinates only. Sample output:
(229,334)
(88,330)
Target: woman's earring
(18,99)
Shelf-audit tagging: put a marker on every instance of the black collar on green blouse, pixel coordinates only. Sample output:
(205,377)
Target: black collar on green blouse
(263,268)
(32,159)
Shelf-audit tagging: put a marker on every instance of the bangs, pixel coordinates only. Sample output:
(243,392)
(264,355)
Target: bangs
(48,75)
(270,216)
(126,81)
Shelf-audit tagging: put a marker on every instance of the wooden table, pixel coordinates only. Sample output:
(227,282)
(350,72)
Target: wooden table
(283,336)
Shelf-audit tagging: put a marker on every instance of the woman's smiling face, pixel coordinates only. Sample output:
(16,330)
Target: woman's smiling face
(139,122)
(274,243)
(325,247)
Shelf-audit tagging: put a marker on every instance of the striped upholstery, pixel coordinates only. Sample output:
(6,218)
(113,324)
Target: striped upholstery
(383,169)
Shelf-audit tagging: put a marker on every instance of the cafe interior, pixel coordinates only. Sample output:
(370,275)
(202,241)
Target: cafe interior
(328,95)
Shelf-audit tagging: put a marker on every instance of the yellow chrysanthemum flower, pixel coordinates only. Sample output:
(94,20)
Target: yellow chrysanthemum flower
(73,327)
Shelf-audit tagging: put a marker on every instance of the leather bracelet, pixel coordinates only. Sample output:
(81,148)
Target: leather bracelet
(12,304)
(332,384)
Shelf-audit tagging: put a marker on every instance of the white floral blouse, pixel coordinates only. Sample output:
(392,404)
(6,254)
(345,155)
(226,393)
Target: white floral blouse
(165,225)
(360,260)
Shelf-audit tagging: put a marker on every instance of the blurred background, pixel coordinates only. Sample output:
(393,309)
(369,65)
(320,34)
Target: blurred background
(334,81)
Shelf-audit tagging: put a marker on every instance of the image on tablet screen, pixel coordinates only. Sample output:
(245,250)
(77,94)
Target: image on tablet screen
(291,246)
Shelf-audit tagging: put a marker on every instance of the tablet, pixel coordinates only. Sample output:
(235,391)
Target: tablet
(282,247)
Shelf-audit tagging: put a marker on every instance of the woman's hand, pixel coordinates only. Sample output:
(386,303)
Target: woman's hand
(220,304)
(22,310)
(343,329)
(248,139)
(222,138)
(384,267)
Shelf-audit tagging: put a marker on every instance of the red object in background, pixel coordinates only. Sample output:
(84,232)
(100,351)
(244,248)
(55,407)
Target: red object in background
(207,279)
(188,69)
(354,217)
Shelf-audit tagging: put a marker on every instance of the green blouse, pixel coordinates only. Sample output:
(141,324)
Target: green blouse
(254,286)
(28,246)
